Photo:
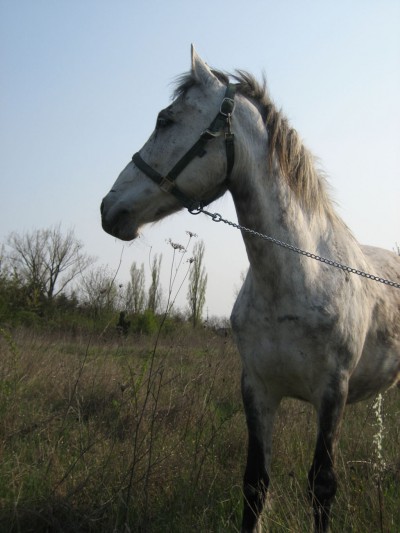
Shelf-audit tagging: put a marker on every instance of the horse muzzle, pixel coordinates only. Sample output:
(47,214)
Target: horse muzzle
(117,219)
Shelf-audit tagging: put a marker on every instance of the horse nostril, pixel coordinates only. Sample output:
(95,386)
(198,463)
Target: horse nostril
(102,207)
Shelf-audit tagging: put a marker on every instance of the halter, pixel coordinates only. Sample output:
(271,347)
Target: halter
(219,126)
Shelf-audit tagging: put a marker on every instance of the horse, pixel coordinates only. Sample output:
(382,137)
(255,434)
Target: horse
(303,329)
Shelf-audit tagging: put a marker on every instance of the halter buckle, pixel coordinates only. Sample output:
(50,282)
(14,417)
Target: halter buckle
(227,106)
(208,134)
(166,184)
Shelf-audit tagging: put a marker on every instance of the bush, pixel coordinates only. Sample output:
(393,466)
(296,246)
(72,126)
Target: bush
(145,323)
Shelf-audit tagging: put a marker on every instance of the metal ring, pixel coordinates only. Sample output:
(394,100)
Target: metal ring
(195,210)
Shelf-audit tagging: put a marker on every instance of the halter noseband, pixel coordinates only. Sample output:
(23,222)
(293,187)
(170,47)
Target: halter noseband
(221,124)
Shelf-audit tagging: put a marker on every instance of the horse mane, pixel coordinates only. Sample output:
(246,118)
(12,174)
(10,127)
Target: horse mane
(296,163)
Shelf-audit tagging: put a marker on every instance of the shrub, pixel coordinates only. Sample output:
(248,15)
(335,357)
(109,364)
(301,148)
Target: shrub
(146,323)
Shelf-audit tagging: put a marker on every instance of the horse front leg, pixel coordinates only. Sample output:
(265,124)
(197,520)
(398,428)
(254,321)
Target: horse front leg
(322,480)
(260,411)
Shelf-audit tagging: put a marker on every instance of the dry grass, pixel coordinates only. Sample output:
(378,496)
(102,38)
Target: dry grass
(105,434)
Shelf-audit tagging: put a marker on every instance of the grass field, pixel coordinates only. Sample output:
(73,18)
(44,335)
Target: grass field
(108,434)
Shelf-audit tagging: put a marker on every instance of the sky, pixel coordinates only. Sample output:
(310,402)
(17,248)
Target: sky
(81,83)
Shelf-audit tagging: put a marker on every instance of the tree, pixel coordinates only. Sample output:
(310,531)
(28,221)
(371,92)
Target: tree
(46,260)
(99,290)
(4,267)
(135,292)
(154,298)
(197,284)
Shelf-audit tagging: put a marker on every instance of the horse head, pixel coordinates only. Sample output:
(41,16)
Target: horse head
(183,163)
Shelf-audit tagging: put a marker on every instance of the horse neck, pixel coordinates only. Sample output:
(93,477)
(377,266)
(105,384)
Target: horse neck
(265,203)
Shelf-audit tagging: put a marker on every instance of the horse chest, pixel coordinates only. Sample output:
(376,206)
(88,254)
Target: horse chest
(288,351)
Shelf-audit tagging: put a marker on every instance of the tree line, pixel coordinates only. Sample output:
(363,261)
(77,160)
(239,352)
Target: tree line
(46,276)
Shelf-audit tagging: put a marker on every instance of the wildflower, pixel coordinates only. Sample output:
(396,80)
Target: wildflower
(191,234)
(377,439)
(176,246)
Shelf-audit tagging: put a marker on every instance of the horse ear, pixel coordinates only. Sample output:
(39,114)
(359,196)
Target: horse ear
(200,70)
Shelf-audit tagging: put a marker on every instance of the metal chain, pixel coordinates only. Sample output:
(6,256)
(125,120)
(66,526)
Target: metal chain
(216,217)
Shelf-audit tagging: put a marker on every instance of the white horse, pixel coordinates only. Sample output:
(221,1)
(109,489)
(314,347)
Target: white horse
(304,330)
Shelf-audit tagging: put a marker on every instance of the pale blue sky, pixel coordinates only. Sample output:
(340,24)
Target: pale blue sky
(81,83)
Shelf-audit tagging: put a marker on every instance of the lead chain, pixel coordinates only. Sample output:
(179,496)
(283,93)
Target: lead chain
(216,217)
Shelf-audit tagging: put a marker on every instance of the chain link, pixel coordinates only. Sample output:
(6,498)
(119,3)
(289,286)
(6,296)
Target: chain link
(216,217)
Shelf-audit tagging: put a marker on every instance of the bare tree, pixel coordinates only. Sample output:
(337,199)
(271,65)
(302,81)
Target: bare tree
(98,289)
(154,298)
(197,284)
(46,260)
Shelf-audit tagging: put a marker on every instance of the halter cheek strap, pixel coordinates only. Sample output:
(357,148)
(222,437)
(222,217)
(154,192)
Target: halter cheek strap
(219,126)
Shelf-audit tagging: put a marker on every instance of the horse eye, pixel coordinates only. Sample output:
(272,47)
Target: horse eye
(163,121)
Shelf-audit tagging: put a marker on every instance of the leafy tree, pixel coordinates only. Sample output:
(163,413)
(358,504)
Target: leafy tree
(46,260)
(135,292)
(196,295)
(154,298)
